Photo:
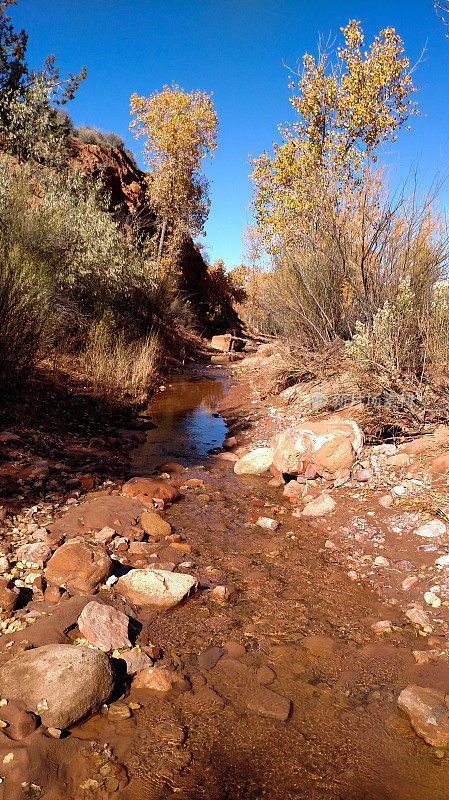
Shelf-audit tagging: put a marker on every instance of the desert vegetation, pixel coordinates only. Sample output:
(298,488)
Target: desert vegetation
(72,280)
(353,259)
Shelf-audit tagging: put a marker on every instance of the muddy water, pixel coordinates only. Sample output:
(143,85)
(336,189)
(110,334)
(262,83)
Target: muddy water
(295,612)
(188,425)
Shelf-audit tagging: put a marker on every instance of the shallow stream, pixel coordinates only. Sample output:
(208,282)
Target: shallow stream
(188,425)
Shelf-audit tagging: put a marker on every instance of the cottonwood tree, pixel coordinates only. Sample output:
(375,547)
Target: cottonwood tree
(345,111)
(180,129)
(317,204)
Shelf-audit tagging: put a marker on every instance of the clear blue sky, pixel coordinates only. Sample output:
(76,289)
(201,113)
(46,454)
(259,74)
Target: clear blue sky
(236,49)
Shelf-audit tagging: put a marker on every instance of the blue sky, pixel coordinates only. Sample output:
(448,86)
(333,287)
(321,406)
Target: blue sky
(238,50)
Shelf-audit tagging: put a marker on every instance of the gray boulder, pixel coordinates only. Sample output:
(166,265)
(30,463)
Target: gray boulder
(59,682)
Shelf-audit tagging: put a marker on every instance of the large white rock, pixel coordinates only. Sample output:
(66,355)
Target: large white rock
(331,444)
(431,529)
(155,589)
(59,682)
(254,463)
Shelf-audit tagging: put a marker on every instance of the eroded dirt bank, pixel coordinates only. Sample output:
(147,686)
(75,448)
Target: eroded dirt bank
(269,679)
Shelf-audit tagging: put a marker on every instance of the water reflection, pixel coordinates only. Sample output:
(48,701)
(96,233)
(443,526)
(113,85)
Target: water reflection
(187,423)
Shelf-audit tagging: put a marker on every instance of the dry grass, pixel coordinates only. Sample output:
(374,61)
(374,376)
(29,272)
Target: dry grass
(117,369)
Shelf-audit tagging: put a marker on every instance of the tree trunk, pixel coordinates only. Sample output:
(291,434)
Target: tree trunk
(161,240)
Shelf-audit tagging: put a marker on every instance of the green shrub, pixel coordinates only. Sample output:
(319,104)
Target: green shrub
(91,135)
(392,344)
(24,318)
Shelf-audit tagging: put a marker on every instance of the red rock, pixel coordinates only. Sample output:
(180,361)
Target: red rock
(222,593)
(79,566)
(158,679)
(39,584)
(105,536)
(294,491)
(428,714)
(53,594)
(326,444)
(9,595)
(104,626)
(150,487)
(222,341)
(21,723)
(97,513)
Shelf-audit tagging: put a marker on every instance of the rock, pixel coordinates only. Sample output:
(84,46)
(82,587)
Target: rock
(330,445)
(208,658)
(9,595)
(254,463)
(111,511)
(158,679)
(419,617)
(380,561)
(34,553)
(53,594)
(398,490)
(399,460)
(383,626)
(440,464)
(61,683)
(342,476)
(386,501)
(155,589)
(150,487)
(105,536)
(427,442)
(222,593)
(4,564)
(79,566)
(295,490)
(55,733)
(154,525)
(221,341)
(269,704)
(9,436)
(230,442)
(424,656)
(432,599)
(427,712)
(363,475)
(104,626)
(235,650)
(310,472)
(21,723)
(265,675)
(119,711)
(433,528)
(323,504)
(408,582)
(267,523)
(338,453)
(443,561)
(136,661)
